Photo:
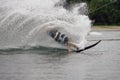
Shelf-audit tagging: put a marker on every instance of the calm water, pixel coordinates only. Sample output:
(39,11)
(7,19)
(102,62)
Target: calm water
(99,63)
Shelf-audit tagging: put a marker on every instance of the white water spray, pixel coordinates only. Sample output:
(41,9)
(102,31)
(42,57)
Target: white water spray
(24,22)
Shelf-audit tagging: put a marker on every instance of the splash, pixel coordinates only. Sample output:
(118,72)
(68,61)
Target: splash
(24,23)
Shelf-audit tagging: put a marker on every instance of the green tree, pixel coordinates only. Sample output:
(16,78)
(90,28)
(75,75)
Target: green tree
(105,12)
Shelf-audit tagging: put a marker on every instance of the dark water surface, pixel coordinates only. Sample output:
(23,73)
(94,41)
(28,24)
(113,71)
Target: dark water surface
(99,63)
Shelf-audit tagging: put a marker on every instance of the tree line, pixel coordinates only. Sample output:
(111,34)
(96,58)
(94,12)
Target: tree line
(104,12)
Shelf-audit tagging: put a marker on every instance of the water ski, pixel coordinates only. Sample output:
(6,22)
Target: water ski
(88,47)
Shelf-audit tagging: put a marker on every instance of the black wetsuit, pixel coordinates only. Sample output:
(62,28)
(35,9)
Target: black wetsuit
(59,37)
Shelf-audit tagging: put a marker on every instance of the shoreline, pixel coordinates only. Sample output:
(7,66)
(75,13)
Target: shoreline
(106,27)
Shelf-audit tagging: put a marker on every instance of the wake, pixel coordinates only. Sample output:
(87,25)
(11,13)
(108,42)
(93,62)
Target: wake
(24,23)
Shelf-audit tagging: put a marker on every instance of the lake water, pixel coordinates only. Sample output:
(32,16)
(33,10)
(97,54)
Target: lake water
(99,63)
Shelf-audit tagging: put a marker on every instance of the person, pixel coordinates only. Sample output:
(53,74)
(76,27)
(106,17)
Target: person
(62,39)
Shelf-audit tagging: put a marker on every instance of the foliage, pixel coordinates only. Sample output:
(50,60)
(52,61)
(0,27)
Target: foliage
(105,12)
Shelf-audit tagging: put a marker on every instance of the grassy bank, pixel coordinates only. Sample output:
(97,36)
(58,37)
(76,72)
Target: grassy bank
(106,27)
